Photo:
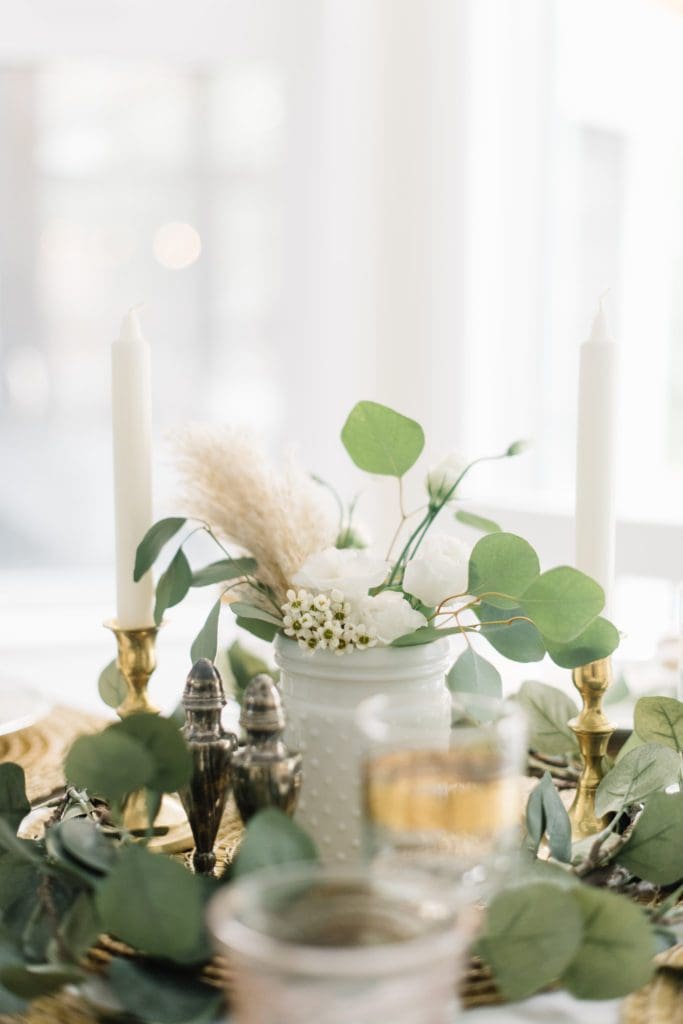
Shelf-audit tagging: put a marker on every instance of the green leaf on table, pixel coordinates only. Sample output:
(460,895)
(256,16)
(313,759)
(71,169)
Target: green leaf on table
(83,841)
(645,770)
(173,585)
(632,743)
(111,685)
(272,838)
(382,441)
(155,992)
(598,641)
(660,720)
(154,540)
(33,980)
(14,805)
(547,815)
(519,641)
(502,564)
(263,630)
(165,744)
(477,522)
(615,954)
(223,571)
(473,674)
(205,643)
(242,610)
(531,936)
(548,711)
(109,764)
(134,905)
(244,666)
(654,851)
(562,602)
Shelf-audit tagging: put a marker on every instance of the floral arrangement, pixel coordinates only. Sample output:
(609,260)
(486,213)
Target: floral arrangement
(305,573)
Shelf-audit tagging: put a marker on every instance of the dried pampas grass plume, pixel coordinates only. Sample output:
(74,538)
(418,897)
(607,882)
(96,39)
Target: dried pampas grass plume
(280,516)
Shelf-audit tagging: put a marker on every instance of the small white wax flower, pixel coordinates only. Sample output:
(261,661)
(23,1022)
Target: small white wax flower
(352,572)
(442,477)
(388,615)
(439,571)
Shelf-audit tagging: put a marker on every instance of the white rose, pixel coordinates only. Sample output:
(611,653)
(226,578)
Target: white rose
(352,572)
(442,477)
(440,570)
(388,615)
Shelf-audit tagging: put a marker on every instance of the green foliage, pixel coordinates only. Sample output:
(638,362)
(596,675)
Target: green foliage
(424,635)
(272,838)
(205,644)
(382,441)
(480,523)
(517,448)
(645,770)
(615,954)
(154,540)
(34,980)
(523,940)
(222,571)
(660,720)
(598,641)
(111,685)
(242,610)
(502,567)
(546,815)
(654,849)
(155,905)
(473,674)
(562,602)
(244,666)
(519,641)
(160,994)
(173,585)
(14,805)
(141,752)
(548,710)
(258,627)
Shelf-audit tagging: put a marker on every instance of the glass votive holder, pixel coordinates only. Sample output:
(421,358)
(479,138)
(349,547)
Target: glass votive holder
(339,946)
(450,802)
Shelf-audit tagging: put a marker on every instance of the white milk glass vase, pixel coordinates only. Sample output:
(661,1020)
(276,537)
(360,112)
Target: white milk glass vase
(321,692)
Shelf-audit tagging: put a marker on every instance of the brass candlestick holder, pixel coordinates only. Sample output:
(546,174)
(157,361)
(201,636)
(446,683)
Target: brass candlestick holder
(136,661)
(593,731)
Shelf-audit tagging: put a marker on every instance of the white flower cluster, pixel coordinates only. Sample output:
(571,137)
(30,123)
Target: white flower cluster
(323,622)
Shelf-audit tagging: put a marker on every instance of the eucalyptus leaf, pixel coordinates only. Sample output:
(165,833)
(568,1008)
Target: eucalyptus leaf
(205,644)
(242,610)
(244,666)
(14,805)
(654,850)
(110,764)
(615,954)
(532,935)
(223,571)
(660,719)
(502,566)
(618,691)
(645,770)
(34,980)
(80,927)
(548,710)
(165,745)
(632,743)
(173,585)
(562,602)
(155,993)
(546,814)
(86,843)
(111,685)
(382,441)
(598,641)
(272,838)
(477,522)
(263,630)
(154,904)
(154,540)
(424,635)
(473,674)
(519,641)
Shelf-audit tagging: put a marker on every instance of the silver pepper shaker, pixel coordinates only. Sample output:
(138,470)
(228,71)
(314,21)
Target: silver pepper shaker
(264,772)
(212,749)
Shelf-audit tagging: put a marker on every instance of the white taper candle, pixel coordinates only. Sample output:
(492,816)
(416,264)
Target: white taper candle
(596,457)
(132,429)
